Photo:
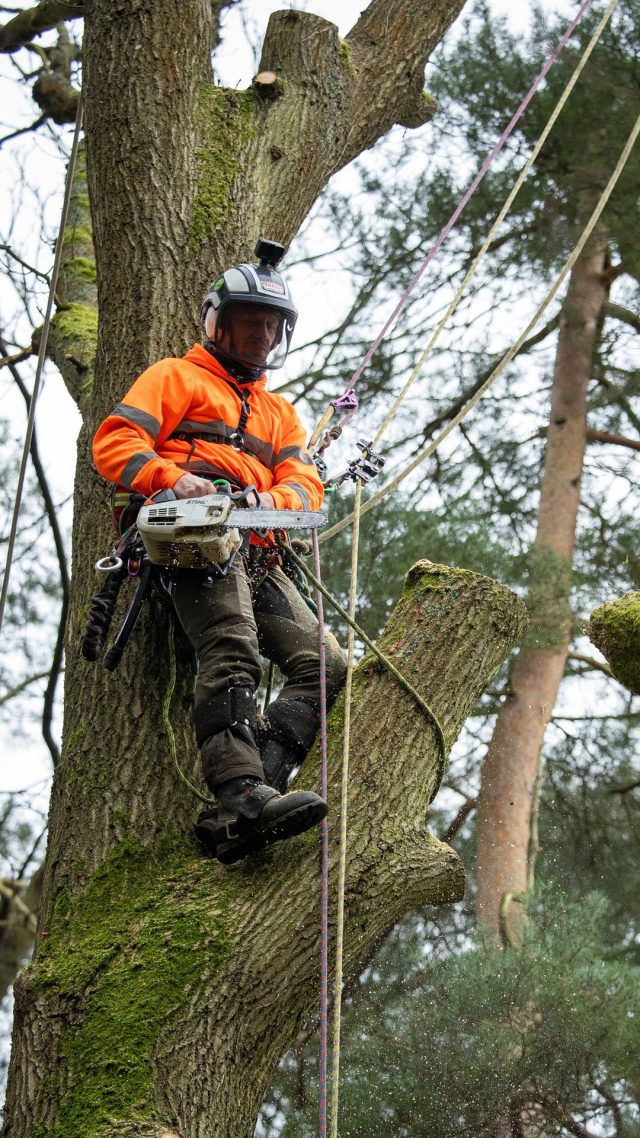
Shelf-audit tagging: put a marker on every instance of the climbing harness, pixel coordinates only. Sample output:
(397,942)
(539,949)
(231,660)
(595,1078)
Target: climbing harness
(170,533)
(42,351)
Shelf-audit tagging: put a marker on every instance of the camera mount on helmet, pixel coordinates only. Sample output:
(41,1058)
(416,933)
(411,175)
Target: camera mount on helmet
(254,285)
(270,253)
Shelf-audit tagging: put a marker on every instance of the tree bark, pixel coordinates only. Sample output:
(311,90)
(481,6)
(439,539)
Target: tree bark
(511,769)
(163,994)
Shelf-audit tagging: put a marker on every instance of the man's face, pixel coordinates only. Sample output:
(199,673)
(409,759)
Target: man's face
(251,332)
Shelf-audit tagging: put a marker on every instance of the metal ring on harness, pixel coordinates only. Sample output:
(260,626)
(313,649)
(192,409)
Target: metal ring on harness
(109,564)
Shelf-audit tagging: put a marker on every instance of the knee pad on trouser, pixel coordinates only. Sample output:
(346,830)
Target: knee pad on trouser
(234,708)
(285,734)
(225,727)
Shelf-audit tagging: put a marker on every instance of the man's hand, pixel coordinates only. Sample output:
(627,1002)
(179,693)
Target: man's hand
(191,486)
(266,501)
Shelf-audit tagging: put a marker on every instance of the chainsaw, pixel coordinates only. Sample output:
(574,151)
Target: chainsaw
(193,533)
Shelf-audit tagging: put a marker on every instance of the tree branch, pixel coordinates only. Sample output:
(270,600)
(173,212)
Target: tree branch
(23,685)
(19,31)
(591,661)
(614,440)
(458,822)
(25,264)
(23,130)
(453,409)
(17,357)
(619,312)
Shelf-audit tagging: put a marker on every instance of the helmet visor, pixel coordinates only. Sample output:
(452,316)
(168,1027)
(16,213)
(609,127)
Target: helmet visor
(256,335)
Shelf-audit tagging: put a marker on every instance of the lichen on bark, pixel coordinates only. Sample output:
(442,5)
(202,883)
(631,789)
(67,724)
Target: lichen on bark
(225,122)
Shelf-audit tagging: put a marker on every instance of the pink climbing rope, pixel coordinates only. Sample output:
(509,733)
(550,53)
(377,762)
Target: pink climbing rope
(324,899)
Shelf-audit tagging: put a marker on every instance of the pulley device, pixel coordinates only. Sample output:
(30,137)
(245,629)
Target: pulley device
(361,469)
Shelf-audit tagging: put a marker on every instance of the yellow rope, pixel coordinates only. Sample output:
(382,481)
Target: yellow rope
(497,223)
(344,803)
(509,355)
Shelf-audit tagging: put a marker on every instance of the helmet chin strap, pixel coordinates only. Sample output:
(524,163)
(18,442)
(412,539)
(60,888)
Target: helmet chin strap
(238,370)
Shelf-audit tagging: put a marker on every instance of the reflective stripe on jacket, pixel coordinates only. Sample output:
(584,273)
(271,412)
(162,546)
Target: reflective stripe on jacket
(195,396)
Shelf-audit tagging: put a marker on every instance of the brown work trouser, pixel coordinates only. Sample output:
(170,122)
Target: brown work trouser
(229,630)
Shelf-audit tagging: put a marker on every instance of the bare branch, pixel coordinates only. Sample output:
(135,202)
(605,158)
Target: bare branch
(619,312)
(453,409)
(23,686)
(17,358)
(56,662)
(614,440)
(25,264)
(625,789)
(591,662)
(31,22)
(11,890)
(23,130)
(460,819)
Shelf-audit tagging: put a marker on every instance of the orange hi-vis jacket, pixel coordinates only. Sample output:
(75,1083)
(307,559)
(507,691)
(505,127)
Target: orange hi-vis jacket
(137,447)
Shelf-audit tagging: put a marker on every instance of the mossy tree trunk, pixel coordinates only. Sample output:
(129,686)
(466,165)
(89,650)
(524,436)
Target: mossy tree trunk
(163,988)
(511,769)
(164,991)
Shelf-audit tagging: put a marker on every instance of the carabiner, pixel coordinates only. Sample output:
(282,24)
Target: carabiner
(109,564)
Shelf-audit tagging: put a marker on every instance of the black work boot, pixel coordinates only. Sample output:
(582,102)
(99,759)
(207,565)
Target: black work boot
(252,815)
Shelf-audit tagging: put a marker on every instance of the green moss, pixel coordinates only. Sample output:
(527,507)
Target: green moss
(614,628)
(346,56)
(225,122)
(77,235)
(77,737)
(75,329)
(431,104)
(82,267)
(121,957)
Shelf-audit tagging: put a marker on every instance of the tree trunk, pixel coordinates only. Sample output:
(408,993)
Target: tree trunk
(164,989)
(163,994)
(510,774)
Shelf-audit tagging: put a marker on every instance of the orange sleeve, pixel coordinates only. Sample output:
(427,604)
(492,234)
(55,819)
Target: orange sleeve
(124,445)
(297,484)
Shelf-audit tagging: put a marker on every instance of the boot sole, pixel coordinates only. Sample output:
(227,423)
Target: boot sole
(250,839)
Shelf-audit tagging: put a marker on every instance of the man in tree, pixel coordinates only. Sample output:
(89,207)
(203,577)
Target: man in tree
(183,424)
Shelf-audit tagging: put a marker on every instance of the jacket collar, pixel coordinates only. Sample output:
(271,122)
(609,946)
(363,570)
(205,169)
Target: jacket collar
(200,356)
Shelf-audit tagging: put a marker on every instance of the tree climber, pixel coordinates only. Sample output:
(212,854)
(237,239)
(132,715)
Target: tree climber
(184,423)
